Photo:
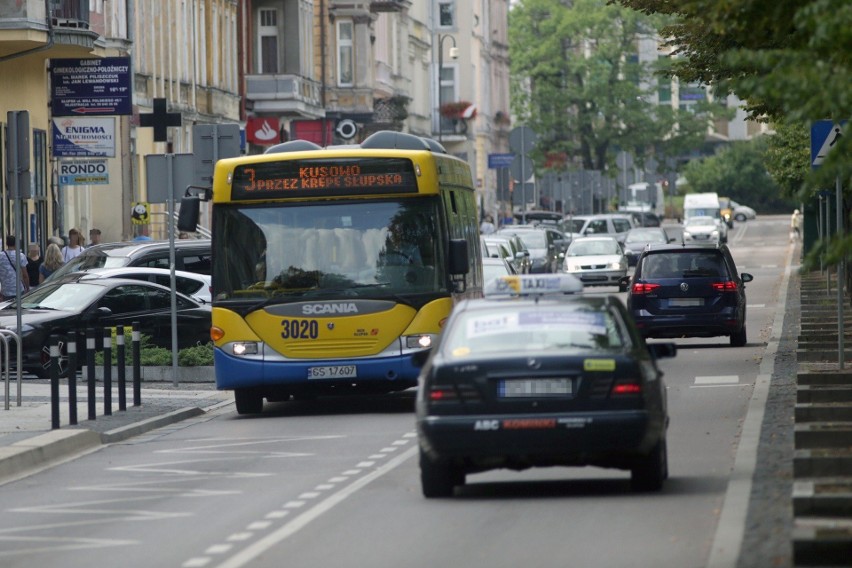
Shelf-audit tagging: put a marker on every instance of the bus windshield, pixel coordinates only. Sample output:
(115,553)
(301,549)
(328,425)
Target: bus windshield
(353,249)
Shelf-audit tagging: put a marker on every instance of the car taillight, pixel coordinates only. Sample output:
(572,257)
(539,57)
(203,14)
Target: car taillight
(729,286)
(443,394)
(644,287)
(626,387)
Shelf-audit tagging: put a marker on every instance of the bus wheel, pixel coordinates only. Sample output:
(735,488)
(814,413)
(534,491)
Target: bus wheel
(248,401)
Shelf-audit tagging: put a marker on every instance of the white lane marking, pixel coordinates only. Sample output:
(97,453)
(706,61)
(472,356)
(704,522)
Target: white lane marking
(409,435)
(239,537)
(258,526)
(338,479)
(389,449)
(309,495)
(219,549)
(717,380)
(324,487)
(276,515)
(365,464)
(294,504)
(399,443)
(196,562)
(352,472)
(257,548)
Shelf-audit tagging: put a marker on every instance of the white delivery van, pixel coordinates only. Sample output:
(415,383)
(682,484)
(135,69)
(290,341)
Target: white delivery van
(705,204)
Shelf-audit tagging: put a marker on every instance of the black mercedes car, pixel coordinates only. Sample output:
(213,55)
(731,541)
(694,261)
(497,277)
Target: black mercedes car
(535,376)
(78,303)
(689,291)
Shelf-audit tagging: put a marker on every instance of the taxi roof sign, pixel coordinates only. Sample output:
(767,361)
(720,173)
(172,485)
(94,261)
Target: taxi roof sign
(529,285)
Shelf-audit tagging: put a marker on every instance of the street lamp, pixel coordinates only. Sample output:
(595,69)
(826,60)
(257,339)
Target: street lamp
(454,54)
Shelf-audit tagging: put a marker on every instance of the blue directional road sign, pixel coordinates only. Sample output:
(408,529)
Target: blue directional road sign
(90,87)
(824,136)
(496,161)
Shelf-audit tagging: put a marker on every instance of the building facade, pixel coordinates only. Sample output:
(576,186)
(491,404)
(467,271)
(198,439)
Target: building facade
(330,71)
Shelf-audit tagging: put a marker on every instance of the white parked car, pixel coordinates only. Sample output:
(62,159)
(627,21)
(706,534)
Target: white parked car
(702,230)
(196,286)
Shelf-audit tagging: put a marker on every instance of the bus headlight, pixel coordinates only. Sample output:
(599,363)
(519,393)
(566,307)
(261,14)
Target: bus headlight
(245,348)
(423,341)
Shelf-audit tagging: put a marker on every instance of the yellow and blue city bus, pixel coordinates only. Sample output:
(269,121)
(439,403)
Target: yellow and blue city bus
(333,266)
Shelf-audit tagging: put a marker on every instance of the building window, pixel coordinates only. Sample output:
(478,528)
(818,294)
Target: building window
(446,14)
(665,91)
(267,32)
(345,63)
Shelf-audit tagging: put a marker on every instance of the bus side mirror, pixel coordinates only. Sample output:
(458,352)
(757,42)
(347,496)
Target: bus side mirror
(459,260)
(190,210)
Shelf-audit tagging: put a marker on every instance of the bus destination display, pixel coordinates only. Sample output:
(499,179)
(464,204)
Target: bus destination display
(326,177)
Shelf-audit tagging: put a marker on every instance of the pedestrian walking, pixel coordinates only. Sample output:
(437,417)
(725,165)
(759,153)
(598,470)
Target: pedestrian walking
(34,260)
(74,246)
(795,226)
(94,237)
(9,283)
(52,261)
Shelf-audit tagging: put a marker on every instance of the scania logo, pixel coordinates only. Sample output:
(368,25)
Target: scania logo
(684,286)
(330,308)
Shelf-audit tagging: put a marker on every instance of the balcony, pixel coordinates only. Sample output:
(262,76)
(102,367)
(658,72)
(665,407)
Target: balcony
(377,6)
(24,26)
(284,95)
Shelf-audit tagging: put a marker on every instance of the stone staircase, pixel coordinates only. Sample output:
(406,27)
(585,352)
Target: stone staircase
(822,462)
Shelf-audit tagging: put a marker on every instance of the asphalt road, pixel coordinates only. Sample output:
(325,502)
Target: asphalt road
(335,482)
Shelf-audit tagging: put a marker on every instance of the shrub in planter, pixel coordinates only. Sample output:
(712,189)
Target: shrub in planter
(154,356)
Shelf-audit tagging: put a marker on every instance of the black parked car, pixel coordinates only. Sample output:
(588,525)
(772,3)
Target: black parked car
(77,304)
(545,379)
(689,291)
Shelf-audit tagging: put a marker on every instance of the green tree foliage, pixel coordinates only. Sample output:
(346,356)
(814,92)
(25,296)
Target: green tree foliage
(787,157)
(788,59)
(577,81)
(738,172)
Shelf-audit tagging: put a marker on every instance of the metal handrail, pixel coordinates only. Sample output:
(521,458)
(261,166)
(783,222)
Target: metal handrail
(5,334)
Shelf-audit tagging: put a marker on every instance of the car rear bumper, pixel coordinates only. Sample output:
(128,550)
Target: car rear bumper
(538,439)
(687,325)
(601,277)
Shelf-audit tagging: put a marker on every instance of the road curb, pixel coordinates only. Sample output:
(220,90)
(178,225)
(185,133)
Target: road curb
(125,432)
(44,449)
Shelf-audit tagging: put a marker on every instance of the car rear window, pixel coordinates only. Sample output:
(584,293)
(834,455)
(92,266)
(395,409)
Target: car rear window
(520,330)
(687,264)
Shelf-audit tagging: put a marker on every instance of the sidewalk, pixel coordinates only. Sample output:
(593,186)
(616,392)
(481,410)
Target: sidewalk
(27,440)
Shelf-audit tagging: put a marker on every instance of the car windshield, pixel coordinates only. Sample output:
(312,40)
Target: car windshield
(521,329)
(683,265)
(533,239)
(694,221)
(71,297)
(89,261)
(643,236)
(594,248)
(317,249)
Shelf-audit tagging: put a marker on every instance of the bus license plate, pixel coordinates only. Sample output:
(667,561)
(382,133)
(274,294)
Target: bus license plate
(333,372)
(521,388)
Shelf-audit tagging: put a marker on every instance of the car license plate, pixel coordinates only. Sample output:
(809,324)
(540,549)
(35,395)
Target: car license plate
(686,302)
(333,372)
(520,388)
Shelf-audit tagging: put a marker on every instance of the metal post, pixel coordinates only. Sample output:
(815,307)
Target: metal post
(90,372)
(171,206)
(107,372)
(137,379)
(72,378)
(54,382)
(120,362)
